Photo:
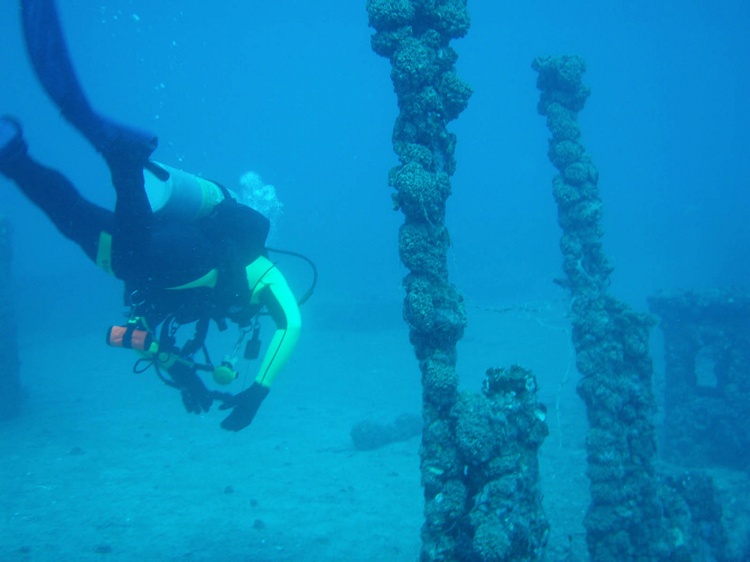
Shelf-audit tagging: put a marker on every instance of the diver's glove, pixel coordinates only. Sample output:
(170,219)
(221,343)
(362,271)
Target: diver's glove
(195,395)
(245,405)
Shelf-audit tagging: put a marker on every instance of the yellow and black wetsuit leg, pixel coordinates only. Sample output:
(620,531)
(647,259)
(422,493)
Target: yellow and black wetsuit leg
(76,218)
(270,289)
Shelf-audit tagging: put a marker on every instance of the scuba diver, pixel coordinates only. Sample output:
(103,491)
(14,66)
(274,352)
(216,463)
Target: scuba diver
(200,256)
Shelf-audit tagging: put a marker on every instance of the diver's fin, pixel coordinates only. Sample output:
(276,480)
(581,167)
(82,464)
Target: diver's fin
(49,56)
(12,145)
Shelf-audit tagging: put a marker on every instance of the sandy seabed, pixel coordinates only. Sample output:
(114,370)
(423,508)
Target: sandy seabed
(105,464)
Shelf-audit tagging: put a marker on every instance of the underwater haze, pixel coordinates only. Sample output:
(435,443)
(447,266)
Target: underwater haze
(293,92)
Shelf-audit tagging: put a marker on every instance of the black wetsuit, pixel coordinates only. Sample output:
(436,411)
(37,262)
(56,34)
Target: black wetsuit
(76,218)
(142,251)
(146,253)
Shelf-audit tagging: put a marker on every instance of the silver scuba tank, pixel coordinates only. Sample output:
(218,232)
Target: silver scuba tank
(182,196)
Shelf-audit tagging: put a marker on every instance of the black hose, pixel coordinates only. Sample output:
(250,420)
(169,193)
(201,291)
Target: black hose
(309,292)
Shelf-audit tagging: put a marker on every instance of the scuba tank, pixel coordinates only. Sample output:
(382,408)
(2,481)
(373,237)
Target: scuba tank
(176,195)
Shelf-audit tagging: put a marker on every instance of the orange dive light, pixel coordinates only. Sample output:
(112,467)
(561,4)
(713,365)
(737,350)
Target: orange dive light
(129,337)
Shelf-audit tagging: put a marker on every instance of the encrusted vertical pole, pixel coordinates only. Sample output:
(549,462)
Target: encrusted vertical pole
(625,519)
(11,393)
(499,433)
(415,36)
(479,451)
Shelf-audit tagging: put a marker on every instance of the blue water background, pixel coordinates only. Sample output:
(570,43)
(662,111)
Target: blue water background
(293,91)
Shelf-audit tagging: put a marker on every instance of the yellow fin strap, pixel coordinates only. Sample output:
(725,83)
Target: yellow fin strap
(104,252)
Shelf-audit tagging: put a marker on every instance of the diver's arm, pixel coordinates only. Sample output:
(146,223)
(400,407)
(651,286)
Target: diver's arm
(281,303)
(270,289)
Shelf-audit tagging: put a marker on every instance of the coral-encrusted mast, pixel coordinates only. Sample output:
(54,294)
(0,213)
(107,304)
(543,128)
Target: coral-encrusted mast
(414,35)
(625,519)
(478,454)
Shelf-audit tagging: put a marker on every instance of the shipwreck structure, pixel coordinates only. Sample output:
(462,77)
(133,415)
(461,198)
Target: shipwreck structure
(11,392)
(707,376)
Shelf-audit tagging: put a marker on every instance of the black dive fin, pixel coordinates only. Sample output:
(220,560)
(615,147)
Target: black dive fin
(49,56)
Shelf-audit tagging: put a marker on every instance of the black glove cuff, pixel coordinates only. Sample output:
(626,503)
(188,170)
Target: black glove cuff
(245,406)
(257,392)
